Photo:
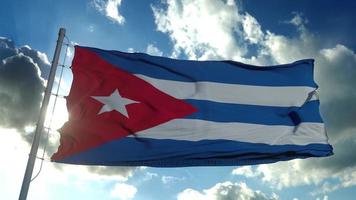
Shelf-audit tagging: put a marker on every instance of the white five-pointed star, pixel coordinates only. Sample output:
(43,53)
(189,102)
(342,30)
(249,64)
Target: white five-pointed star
(114,102)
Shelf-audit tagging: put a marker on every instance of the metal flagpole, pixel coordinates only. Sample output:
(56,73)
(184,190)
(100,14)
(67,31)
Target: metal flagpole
(40,123)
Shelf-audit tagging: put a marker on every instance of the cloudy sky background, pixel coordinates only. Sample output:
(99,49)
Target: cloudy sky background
(255,32)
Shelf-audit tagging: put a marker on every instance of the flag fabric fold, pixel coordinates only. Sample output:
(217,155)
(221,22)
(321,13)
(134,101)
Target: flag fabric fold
(133,109)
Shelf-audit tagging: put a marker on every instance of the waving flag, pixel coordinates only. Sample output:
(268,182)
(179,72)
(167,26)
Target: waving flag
(132,109)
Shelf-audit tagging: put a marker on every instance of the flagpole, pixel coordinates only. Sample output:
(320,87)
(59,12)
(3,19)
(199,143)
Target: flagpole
(40,123)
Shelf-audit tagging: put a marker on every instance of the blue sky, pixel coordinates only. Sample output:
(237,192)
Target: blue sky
(256,32)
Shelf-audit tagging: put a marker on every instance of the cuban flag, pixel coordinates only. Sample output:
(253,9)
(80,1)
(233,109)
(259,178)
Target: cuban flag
(132,109)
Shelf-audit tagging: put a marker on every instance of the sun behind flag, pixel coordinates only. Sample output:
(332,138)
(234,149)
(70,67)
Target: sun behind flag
(131,109)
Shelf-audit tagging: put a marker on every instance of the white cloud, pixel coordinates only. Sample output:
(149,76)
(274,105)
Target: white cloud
(252,29)
(188,194)
(123,191)
(345,179)
(224,191)
(326,197)
(283,49)
(245,171)
(110,8)
(37,57)
(13,151)
(201,28)
(284,174)
(171,179)
(69,53)
(6,43)
(106,172)
(288,174)
(153,50)
(304,172)
(14,154)
(91,28)
(216,29)
(131,50)
(21,90)
(298,20)
(149,176)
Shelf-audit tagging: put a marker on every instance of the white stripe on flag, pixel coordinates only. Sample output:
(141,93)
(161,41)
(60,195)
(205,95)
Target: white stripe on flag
(195,130)
(233,93)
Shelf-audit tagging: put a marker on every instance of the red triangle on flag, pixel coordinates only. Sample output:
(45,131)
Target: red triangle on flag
(92,122)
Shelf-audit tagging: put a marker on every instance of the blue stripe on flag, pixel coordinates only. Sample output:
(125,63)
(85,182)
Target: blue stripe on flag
(175,153)
(299,73)
(267,115)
